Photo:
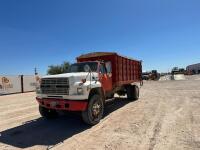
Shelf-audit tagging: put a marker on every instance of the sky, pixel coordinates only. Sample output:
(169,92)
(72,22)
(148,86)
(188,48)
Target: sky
(39,33)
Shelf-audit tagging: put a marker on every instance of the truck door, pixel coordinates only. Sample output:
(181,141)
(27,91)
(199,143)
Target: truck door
(105,76)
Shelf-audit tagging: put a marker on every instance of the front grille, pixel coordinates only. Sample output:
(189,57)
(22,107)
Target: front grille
(55,86)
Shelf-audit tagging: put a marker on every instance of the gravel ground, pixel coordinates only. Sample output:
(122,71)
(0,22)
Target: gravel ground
(167,116)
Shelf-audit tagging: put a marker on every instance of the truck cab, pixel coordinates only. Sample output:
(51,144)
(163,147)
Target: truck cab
(71,91)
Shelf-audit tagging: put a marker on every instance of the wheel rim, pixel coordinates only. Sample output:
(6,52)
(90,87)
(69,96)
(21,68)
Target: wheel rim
(96,110)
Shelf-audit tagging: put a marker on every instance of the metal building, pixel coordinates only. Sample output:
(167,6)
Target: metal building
(194,69)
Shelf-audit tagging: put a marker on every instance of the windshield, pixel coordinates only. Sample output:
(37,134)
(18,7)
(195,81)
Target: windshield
(80,67)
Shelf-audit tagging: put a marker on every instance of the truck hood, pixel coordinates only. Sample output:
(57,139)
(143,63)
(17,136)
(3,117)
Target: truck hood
(67,75)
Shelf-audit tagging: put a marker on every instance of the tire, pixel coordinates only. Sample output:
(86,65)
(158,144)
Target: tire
(47,113)
(136,92)
(94,112)
(129,92)
(132,92)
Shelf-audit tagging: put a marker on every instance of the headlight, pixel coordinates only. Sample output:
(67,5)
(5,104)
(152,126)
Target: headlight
(79,91)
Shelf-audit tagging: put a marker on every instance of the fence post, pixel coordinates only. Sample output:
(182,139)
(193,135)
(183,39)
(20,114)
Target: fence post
(22,84)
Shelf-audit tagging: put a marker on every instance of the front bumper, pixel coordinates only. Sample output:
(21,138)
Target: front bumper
(62,104)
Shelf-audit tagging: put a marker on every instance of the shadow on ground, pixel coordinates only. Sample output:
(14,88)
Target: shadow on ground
(51,132)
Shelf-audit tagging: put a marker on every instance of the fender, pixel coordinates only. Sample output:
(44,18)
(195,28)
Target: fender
(97,90)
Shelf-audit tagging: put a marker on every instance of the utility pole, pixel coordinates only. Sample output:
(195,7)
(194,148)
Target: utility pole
(35,70)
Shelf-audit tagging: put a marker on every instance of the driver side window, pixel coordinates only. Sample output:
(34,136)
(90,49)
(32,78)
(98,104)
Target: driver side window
(102,69)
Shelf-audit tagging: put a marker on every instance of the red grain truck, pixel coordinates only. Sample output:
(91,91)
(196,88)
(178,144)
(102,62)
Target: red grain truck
(95,78)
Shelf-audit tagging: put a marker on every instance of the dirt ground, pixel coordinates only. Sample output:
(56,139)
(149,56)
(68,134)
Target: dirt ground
(167,116)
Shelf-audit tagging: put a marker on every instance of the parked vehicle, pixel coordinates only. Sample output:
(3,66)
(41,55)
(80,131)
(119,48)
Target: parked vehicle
(95,78)
(152,75)
(145,75)
(177,70)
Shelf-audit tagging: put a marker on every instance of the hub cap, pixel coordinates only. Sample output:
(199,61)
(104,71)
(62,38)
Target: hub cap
(96,109)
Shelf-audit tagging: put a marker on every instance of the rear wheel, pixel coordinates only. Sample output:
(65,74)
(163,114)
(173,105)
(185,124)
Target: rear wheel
(136,92)
(94,112)
(47,113)
(133,92)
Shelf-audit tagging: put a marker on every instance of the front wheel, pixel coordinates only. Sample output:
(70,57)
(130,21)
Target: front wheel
(94,112)
(47,113)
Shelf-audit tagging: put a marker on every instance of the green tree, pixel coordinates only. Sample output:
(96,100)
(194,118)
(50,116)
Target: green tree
(65,66)
(58,69)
